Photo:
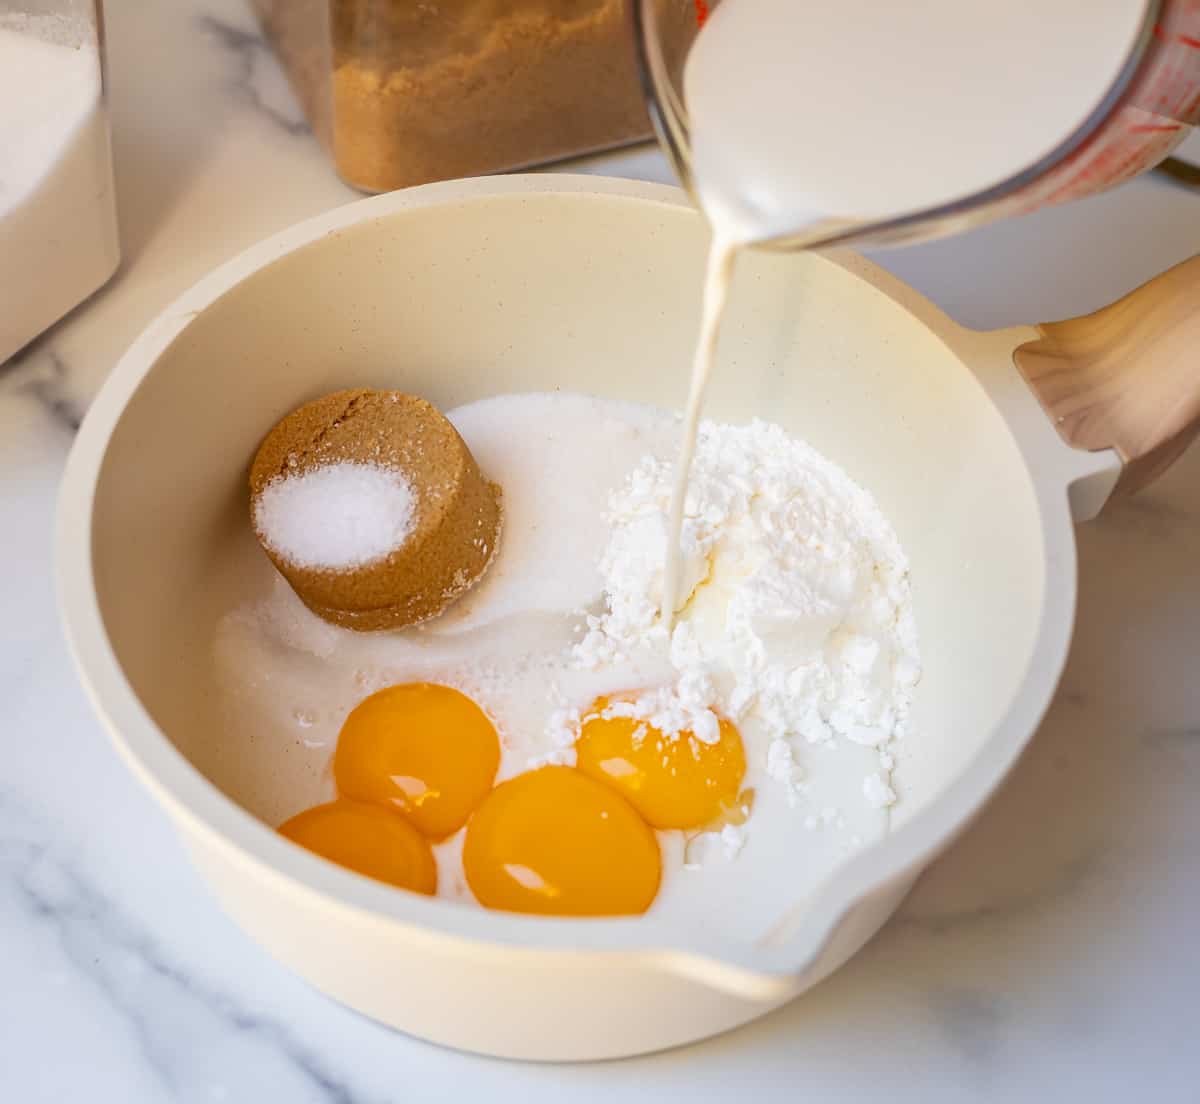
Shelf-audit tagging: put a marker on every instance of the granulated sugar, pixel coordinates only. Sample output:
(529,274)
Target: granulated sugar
(336,516)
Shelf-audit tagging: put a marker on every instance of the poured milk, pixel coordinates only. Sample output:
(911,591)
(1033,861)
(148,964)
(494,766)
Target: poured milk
(811,117)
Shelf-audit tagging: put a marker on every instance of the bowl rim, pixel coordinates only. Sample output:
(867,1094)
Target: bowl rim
(764,970)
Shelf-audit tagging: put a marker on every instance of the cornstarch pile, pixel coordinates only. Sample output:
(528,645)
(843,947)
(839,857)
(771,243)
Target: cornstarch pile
(794,616)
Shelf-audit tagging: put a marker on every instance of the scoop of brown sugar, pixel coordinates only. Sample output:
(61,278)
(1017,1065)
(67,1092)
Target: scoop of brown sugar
(456,511)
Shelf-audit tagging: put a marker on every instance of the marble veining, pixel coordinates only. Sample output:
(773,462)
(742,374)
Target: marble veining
(136,977)
(259,79)
(1049,954)
(41,374)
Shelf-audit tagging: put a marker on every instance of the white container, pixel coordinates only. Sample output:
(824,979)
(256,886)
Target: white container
(58,216)
(481,287)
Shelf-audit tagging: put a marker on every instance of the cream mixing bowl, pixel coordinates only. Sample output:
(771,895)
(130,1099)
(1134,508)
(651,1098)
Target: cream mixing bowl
(466,289)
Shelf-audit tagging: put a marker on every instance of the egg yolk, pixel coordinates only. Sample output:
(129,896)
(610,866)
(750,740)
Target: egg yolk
(674,782)
(555,841)
(367,839)
(424,750)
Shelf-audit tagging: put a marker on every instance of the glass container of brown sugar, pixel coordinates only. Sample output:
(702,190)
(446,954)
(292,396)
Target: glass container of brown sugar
(403,92)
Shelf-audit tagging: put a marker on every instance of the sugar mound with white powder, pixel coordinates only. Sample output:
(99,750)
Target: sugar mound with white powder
(337,516)
(794,609)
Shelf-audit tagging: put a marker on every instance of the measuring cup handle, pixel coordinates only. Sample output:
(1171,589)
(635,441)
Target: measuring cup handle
(1126,377)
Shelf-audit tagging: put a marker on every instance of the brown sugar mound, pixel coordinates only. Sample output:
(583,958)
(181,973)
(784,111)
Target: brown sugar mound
(504,85)
(404,93)
(456,523)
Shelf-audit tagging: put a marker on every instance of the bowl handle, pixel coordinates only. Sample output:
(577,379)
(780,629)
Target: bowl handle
(1126,377)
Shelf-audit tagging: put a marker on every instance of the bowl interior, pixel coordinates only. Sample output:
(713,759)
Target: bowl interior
(597,293)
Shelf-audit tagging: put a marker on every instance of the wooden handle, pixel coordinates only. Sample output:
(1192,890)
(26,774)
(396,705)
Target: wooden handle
(1126,377)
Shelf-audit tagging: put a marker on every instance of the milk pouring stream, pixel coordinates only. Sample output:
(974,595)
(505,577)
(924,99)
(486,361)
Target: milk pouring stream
(811,122)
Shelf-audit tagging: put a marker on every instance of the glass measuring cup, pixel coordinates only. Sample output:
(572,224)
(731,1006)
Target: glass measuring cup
(1141,116)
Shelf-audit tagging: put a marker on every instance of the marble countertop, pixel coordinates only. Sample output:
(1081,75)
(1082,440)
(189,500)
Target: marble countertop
(1049,953)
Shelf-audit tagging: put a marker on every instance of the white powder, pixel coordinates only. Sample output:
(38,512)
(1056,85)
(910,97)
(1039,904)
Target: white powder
(878,792)
(685,707)
(336,516)
(562,730)
(733,839)
(782,766)
(794,610)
